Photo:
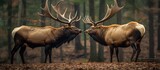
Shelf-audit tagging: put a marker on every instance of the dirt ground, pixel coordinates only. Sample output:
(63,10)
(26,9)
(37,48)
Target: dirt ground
(83,66)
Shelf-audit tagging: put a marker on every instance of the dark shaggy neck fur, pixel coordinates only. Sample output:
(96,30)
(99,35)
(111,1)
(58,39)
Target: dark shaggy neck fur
(99,36)
(63,37)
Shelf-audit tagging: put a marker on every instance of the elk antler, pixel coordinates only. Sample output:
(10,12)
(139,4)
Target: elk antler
(68,21)
(110,12)
(88,20)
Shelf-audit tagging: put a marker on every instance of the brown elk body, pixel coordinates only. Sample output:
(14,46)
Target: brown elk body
(116,35)
(47,36)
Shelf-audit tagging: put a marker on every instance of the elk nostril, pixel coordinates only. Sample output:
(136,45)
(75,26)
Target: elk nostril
(80,30)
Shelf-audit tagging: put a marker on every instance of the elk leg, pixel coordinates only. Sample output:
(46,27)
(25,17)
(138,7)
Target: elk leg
(111,52)
(50,55)
(21,52)
(46,53)
(134,51)
(117,51)
(138,51)
(14,50)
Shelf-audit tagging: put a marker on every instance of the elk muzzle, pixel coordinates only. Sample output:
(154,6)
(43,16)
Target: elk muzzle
(79,30)
(87,31)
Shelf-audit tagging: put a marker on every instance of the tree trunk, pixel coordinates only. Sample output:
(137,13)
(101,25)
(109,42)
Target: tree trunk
(134,10)
(84,27)
(42,24)
(78,45)
(101,15)
(19,12)
(61,54)
(93,48)
(9,22)
(24,12)
(119,20)
(158,27)
(151,30)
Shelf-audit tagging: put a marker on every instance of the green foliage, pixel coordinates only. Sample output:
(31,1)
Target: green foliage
(2,2)
(1,23)
(109,2)
(78,1)
(33,9)
(138,4)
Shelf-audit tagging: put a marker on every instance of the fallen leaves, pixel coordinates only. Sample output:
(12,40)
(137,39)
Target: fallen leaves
(84,66)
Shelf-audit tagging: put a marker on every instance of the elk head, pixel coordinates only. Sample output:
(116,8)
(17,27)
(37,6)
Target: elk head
(97,31)
(68,28)
(95,26)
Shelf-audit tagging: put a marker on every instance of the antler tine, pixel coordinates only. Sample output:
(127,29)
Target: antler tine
(64,13)
(76,19)
(87,20)
(47,11)
(68,20)
(84,20)
(70,17)
(48,14)
(90,19)
(115,3)
(110,12)
(115,8)
(56,9)
(107,13)
(75,16)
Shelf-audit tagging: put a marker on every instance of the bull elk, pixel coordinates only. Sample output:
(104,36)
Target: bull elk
(47,36)
(115,35)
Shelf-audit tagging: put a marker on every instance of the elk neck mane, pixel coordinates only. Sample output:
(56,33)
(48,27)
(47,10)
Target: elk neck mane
(62,36)
(99,37)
